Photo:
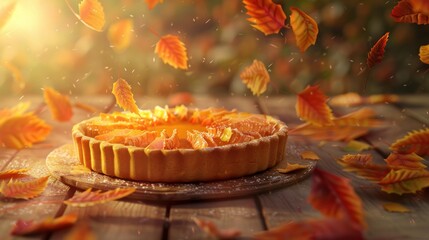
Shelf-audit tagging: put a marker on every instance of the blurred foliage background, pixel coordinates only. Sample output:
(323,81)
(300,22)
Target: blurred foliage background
(48,46)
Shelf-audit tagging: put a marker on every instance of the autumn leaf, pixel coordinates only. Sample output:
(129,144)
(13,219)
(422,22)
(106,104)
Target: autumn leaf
(304,28)
(20,131)
(405,181)
(29,227)
(309,155)
(376,53)
(291,167)
(58,104)
(124,96)
(120,34)
(363,166)
(211,228)
(334,197)
(6,12)
(81,231)
(382,98)
(329,133)
(23,190)
(395,207)
(416,141)
(346,100)
(17,76)
(356,146)
(411,11)
(311,106)
(361,118)
(405,161)
(256,77)
(172,51)
(424,54)
(265,15)
(152,3)
(13,173)
(91,13)
(17,110)
(89,198)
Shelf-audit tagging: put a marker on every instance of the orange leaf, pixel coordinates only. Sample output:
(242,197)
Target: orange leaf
(334,197)
(424,54)
(377,51)
(329,133)
(88,198)
(408,161)
(411,11)
(81,231)
(24,190)
(172,51)
(311,106)
(256,77)
(291,167)
(309,155)
(30,227)
(210,228)
(265,15)
(6,12)
(13,173)
(152,3)
(304,28)
(363,166)
(124,96)
(91,13)
(59,105)
(363,117)
(382,98)
(120,34)
(17,76)
(22,131)
(17,110)
(405,181)
(346,100)
(395,207)
(415,141)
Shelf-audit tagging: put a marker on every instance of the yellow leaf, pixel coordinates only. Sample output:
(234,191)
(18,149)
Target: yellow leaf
(304,28)
(152,3)
(91,13)
(309,155)
(172,51)
(424,54)
(89,198)
(395,207)
(356,146)
(291,167)
(226,134)
(120,34)
(17,76)
(59,105)
(24,190)
(6,12)
(256,77)
(124,96)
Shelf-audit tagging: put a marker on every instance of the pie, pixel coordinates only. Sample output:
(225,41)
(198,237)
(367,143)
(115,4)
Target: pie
(180,144)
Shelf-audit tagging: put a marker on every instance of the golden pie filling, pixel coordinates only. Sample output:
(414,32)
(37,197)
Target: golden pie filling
(180,144)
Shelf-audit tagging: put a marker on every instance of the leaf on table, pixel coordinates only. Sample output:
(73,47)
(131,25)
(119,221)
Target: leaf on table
(6,12)
(329,133)
(120,34)
(124,96)
(309,155)
(17,76)
(22,131)
(291,167)
(13,173)
(81,231)
(311,106)
(58,104)
(376,53)
(405,181)
(424,54)
(411,11)
(346,100)
(363,166)
(407,161)
(90,198)
(256,77)
(265,15)
(23,190)
(211,228)
(152,3)
(362,118)
(172,51)
(91,13)
(304,28)
(356,146)
(395,207)
(29,227)
(334,197)
(326,228)
(416,141)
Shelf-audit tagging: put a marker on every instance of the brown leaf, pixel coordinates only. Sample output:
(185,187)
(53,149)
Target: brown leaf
(124,96)
(424,54)
(172,51)
(416,141)
(411,11)
(376,53)
(91,13)
(311,106)
(408,161)
(120,34)
(265,15)
(6,12)
(58,104)
(89,198)
(304,28)
(291,167)
(256,77)
(395,207)
(405,181)
(24,190)
(13,173)
(363,166)
(211,228)
(23,227)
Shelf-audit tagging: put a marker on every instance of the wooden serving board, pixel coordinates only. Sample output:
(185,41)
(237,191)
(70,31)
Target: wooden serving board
(64,165)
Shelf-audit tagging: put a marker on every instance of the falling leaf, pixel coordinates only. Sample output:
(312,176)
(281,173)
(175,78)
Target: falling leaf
(91,13)
(23,190)
(376,53)
(13,173)
(395,207)
(411,11)
(124,96)
(59,105)
(346,100)
(20,131)
(172,51)
(23,227)
(405,181)
(152,3)
(291,167)
(424,54)
(266,16)
(356,146)
(6,12)
(211,228)
(81,231)
(407,161)
(256,77)
(311,106)
(334,197)
(120,34)
(363,166)
(309,155)
(17,76)
(416,141)
(89,198)
(304,28)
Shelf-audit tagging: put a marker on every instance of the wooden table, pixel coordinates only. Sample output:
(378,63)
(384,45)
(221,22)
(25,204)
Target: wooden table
(143,220)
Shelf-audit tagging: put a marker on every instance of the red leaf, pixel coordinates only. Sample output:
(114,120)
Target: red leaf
(415,141)
(408,161)
(58,104)
(363,166)
(334,197)
(23,227)
(411,11)
(311,106)
(172,51)
(88,198)
(256,77)
(265,15)
(304,28)
(377,51)
(24,190)
(405,181)
(213,230)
